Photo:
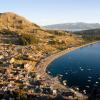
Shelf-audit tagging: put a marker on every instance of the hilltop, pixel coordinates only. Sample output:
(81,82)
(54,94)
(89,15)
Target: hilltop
(13,25)
(13,21)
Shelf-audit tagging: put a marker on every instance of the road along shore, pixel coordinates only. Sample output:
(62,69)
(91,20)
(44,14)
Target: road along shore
(43,64)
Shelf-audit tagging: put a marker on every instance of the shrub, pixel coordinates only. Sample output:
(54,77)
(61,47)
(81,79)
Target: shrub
(26,39)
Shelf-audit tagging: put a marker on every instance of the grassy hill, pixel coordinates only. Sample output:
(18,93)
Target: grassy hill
(17,30)
(13,21)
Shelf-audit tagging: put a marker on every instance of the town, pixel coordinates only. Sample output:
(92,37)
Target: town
(19,79)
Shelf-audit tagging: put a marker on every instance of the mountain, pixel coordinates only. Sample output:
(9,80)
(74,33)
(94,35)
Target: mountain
(15,29)
(73,26)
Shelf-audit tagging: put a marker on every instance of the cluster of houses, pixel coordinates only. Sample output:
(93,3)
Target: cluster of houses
(21,78)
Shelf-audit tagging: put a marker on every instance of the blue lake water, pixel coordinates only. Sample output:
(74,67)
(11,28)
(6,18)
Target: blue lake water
(81,68)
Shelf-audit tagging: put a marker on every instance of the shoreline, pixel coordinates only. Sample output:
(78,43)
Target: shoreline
(46,61)
(41,69)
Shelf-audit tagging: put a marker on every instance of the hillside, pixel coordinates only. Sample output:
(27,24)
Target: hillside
(13,21)
(15,29)
(24,48)
(89,35)
(73,26)
(91,31)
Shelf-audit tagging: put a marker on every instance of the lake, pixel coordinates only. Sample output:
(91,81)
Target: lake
(81,68)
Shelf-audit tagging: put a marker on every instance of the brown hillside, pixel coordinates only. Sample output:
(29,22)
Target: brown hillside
(15,29)
(13,21)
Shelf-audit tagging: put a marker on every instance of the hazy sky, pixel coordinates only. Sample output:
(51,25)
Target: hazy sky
(45,12)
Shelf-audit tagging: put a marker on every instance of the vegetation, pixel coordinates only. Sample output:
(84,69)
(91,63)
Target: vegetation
(15,29)
(56,32)
(89,35)
(27,39)
(22,39)
(7,32)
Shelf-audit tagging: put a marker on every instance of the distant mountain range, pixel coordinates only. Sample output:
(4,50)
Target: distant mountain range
(73,26)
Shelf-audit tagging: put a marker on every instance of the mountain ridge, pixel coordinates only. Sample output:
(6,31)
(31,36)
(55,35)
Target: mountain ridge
(73,26)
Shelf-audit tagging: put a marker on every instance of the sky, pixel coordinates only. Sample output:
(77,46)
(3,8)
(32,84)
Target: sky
(46,12)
